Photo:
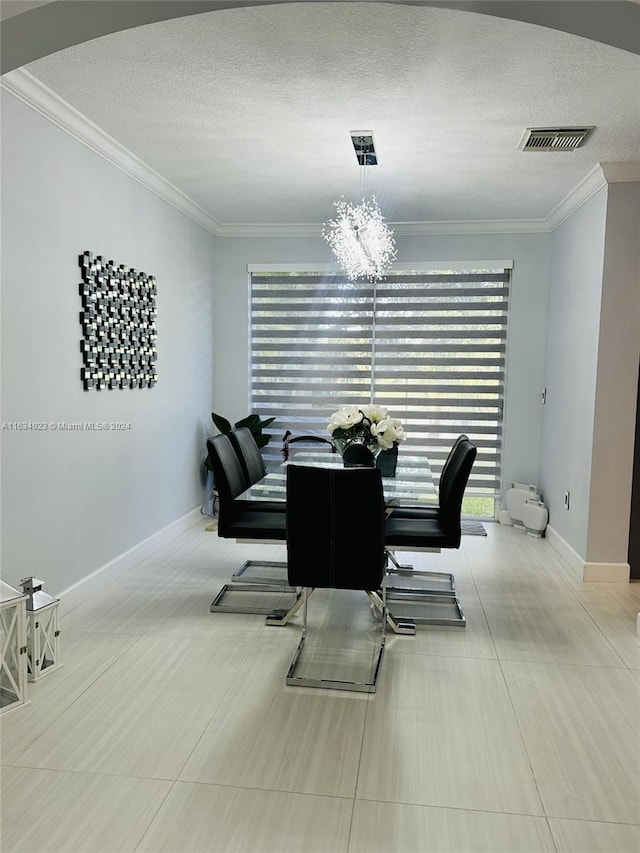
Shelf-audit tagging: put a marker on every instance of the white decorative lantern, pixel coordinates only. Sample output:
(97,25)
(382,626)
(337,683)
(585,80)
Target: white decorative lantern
(43,634)
(13,648)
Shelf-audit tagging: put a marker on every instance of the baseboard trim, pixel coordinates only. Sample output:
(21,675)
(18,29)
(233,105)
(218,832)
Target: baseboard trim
(606,572)
(565,550)
(585,571)
(97,580)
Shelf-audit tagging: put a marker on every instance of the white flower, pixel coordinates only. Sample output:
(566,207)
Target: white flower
(375,413)
(387,432)
(344,418)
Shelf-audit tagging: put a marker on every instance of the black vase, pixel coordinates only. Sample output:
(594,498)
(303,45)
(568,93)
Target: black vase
(387,461)
(358,456)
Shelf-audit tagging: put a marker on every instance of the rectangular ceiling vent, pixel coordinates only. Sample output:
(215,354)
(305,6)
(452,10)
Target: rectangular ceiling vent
(363,144)
(553,138)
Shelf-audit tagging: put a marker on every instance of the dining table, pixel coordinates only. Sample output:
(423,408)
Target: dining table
(412,484)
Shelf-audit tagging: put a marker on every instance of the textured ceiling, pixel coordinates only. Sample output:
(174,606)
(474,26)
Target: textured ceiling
(248,110)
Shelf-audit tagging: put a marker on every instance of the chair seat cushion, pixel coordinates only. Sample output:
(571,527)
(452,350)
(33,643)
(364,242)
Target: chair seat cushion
(419,532)
(260,506)
(415,512)
(249,524)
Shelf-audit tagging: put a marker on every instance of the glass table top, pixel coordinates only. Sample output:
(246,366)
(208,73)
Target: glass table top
(412,484)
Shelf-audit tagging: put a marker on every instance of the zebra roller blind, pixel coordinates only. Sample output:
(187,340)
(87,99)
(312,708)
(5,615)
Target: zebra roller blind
(431,346)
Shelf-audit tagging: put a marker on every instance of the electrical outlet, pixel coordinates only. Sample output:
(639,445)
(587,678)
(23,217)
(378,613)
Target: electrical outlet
(567,499)
(543,396)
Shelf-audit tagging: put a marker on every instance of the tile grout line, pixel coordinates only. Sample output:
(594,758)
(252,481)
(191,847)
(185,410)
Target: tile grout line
(218,706)
(154,816)
(526,752)
(79,696)
(355,788)
(581,605)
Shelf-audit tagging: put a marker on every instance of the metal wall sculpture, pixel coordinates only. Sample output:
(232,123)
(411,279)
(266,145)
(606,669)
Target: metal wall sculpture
(118,320)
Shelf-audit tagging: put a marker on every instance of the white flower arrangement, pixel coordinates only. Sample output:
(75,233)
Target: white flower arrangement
(369,425)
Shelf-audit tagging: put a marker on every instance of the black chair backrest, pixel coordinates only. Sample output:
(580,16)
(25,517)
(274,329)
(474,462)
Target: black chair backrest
(335,527)
(445,468)
(248,454)
(452,491)
(228,476)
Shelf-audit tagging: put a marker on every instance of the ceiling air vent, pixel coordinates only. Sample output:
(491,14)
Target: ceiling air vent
(553,138)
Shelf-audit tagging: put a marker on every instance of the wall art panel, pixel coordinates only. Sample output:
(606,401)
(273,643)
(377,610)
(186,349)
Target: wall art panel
(118,320)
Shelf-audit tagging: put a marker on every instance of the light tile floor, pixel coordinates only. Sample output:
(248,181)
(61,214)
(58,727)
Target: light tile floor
(171,729)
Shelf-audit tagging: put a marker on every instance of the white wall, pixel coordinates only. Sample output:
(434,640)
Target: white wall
(617,381)
(577,258)
(593,349)
(530,253)
(72,501)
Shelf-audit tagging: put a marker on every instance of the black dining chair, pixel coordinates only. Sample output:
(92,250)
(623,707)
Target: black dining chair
(335,540)
(249,454)
(252,465)
(428,512)
(243,520)
(431,511)
(240,519)
(441,529)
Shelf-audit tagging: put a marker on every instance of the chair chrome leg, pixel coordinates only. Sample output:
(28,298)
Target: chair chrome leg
(435,583)
(293,680)
(262,572)
(258,577)
(303,636)
(398,626)
(426,609)
(281,616)
(398,569)
(256,591)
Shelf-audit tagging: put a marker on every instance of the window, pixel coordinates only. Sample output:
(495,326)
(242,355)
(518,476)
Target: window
(428,344)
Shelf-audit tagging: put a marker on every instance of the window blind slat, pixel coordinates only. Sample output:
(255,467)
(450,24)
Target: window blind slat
(391,335)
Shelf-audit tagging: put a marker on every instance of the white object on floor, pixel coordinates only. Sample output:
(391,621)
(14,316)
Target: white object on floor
(535,516)
(515,499)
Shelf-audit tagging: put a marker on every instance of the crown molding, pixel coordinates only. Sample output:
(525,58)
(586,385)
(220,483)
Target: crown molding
(485,226)
(406,229)
(601,175)
(581,193)
(626,170)
(43,100)
(264,229)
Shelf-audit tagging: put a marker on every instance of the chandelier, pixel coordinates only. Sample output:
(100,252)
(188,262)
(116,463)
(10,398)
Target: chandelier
(360,239)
